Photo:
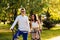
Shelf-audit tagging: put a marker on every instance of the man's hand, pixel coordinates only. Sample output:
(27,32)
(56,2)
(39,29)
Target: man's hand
(29,33)
(11,28)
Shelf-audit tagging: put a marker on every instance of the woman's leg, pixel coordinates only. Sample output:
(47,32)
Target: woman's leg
(37,36)
(32,36)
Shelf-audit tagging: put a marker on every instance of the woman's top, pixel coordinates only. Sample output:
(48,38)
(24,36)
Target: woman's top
(34,24)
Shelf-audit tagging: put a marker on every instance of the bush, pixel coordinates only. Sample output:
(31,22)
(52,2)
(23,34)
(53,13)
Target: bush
(48,24)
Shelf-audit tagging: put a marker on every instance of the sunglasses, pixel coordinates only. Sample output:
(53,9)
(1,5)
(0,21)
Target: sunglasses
(22,11)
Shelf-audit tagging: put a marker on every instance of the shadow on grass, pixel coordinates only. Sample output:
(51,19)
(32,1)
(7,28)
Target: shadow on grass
(9,36)
(5,36)
(46,34)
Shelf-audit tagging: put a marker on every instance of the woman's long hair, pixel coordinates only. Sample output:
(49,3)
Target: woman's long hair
(35,18)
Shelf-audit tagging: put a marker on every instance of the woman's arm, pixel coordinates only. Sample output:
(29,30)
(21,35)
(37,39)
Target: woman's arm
(40,26)
(30,24)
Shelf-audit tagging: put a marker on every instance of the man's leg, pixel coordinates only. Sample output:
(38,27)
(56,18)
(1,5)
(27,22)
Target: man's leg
(25,35)
(18,33)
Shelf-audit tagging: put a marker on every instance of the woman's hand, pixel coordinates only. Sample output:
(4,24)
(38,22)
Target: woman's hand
(40,30)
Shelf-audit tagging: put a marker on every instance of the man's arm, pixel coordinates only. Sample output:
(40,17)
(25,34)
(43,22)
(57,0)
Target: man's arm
(14,23)
(28,24)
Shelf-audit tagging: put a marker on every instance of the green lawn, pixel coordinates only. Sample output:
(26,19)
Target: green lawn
(46,34)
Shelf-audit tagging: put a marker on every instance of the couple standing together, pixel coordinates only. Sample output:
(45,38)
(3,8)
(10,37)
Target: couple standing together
(25,27)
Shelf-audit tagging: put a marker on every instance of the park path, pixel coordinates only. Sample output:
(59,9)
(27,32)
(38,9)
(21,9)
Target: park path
(4,30)
(55,38)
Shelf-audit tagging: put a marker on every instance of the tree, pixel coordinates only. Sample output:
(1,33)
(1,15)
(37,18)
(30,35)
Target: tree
(32,6)
(47,22)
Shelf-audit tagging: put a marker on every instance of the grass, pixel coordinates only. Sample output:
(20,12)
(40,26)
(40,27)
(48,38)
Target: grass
(4,26)
(6,34)
(46,34)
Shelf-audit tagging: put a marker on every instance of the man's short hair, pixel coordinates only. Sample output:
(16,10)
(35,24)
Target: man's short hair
(22,9)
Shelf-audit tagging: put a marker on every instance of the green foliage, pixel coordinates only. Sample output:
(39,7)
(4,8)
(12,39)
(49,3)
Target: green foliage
(37,6)
(47,22)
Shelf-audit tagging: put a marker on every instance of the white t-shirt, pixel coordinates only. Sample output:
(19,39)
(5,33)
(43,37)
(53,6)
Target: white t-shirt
(23,23)
(35,24)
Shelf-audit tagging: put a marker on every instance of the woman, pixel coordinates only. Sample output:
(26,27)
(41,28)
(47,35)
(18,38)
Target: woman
(35,27)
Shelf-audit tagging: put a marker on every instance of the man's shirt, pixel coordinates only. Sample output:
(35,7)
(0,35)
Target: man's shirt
(23,23)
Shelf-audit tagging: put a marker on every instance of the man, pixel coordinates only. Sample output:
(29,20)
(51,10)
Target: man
(23,25)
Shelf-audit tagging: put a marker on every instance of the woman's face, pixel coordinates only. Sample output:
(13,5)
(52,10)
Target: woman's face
(32,17)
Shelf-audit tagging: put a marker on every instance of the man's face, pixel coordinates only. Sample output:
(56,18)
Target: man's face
(23,12)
